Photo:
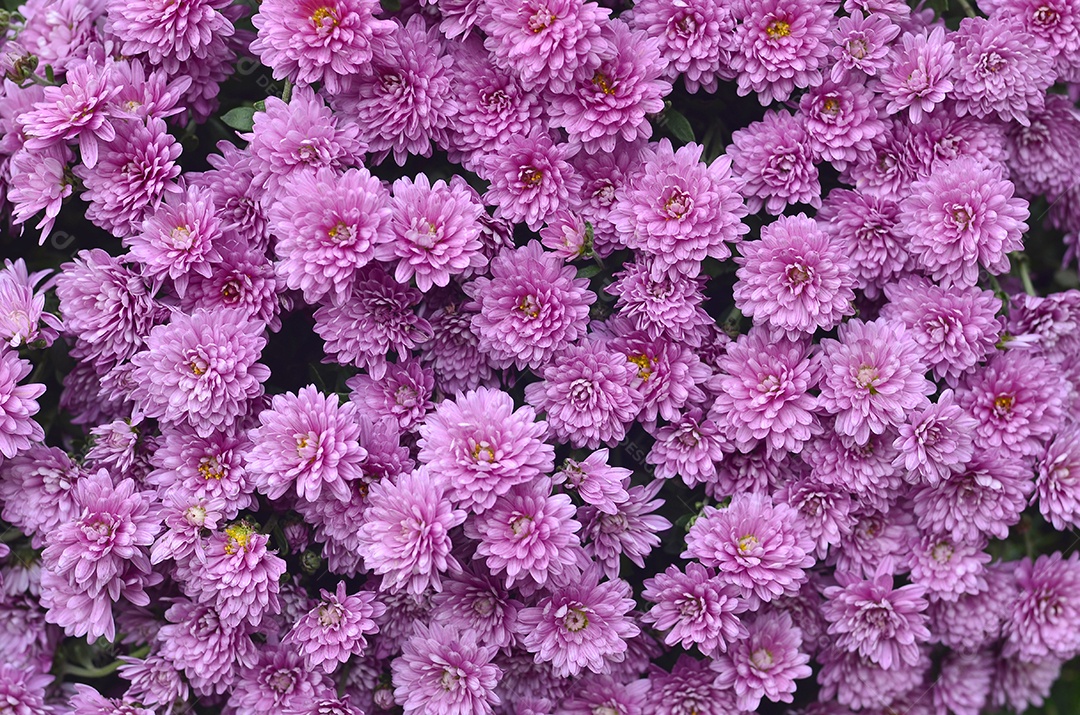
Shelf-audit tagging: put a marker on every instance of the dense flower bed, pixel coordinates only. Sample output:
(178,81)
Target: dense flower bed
(536,357)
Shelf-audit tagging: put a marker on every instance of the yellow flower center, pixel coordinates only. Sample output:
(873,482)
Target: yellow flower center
(529,305)
(777,29)
(531,176)
(602,81)
(576,620)
(210,468)
(324,17)
(1004,403)
(747,543)
(644,365)
(541,19)
(237,537)
(483,452)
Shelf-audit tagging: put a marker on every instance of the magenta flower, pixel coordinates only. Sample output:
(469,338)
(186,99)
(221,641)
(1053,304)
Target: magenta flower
(170,35)
(23,690)
(477,602)
(210,653)
(936,441)
(530,179)
(77,111)
(204,467)
(920,74)
(695,607)
(278,682)
(595,481)
(774,164)
(36,490)
(402,395)
(696,39)
(861,44)
(442,671)
(334,631)
(867,228)
(18,404)
(201,369)
(826,510)
(840,120)
(949,569)
(669,305)
(632,531)
(39,182)
(1047,601)
(688,447)
(1058,483)
(764,664)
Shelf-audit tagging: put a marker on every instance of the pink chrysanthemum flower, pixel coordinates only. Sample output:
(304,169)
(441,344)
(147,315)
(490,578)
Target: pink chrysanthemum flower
(688,447)
(244,281)
(203,467)
(530,178)
(595,481)
(935,442)
(278,683)
(696,39)
(670,373)
(39,181)
(689,688)
(335,630)
(154,680)
(531,308)
(185,517)
(169,34)
(766,663)
(867,227)
(881,623)
(136,170)
(179,238)
(1017,401)
(529,533)
(861,44)
(405,534)
(761,547)
(679,210)
(949,569)
(36,490)
(442,671)
(774,164)
(1048,601)
(318,40)
(481,446)
(434,231)
(871,377)
(920,74)
(209,653)
(590,395)
(376,318)
(666,306)
(477,602)
(855,682)
(23,690)
(840,120)
(763,392)
(612,104)
(547,44)
(1058,483)
(583,625)
(307,440)
(327,226)
(77,111)
(403,395)
(696,608)
(201,369)
(18,404)
(632,531)
(1001,69)
(782,45)
(795,278)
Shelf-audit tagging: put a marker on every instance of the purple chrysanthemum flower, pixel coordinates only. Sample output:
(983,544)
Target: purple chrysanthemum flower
(477,602)
(39,181)
(481,446)
(405,534)
(547,44)
(861,43)
(307,440)
(695,607)
(36,490)
(244,280)
(883,624)
(1055,22)
(867,228)
(454,349)
(327,226)
(689,447)
(1001,69)
(136,170)
(530,178)
(955,328)
(201,369)
(612,104)
(782,45)
(696,39)
(1016,400)
(1058,483)
(761,547)
(442,671)
(77,111)
(935,442)
(590,395)
(532,307)
(582,625)
(278,682)
(859,683)
(840,120)
(210,653)
(88,701)
(529,533)
(669,305)
(434,231)
(595,481)
(185,517)
(871,377)
(689,689)
(1041,153)
(764,664)
(605,693)
(318,40)
(376,317)
(18,404)
(334,631)
(154,680)
(920,74)
(795,278)
(203,467)
(949,569)
(763,391)
(866,469)
(169,34)
(1040,623)
(670,373)
(774,164)
(23,690)
(826,510)
(974,621)
(632,531)
(964,216)
(1021,684)
(402,395)
(678,211)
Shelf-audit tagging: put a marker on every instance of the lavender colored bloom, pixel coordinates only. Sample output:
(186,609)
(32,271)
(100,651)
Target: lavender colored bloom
(688,447)
(210,653)
(1001,69)
(670,373)
(481,446)
(871,377)
(668,305)
(278,682)
(696,39)
(39,182)
(185,516)
(782,45)
(1040,154)
(1040,622)
(307,440)
(243,280)
(949,569)
(201,369)
(773,162)
(402,395)
(595,481)
(88,701)
(530,179)
(604,693)
(23,690)
(955,328)
(589,395)
(203,467)
(859,683)
(18,404)
(1022,684)
(334,631)
(630,532)
(454,349)
(376,317)
(477,602)
(861,44)
(327,226)
(678,210)
(690,688)
(867,227)
(529,533)
(404,536)
(36,490)
(169,35)
(920,74)
(761,547)
(764,664)
(826,510)
(318,40)
(153,680)
(77,111)
(973,621)
(695,607)
(935,442)
(445,672)
(962,217)
(840,120)
(582,625)
(1057,482)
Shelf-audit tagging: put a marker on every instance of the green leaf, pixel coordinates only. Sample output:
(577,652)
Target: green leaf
(242,119)
(588,271)
(678,126)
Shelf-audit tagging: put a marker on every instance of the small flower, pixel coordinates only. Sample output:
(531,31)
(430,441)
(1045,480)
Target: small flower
(935,442)
(773,162)
(530,179)
(920,74)
(595,481)
(1038,625)
(334,631)
(766,663)
(18,404)
(695,607)
(445,672)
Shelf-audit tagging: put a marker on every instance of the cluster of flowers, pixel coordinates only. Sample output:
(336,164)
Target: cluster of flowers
(458,531)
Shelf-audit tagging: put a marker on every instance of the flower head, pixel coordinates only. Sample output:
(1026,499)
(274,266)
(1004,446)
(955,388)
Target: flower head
(334,630)
(442,671)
